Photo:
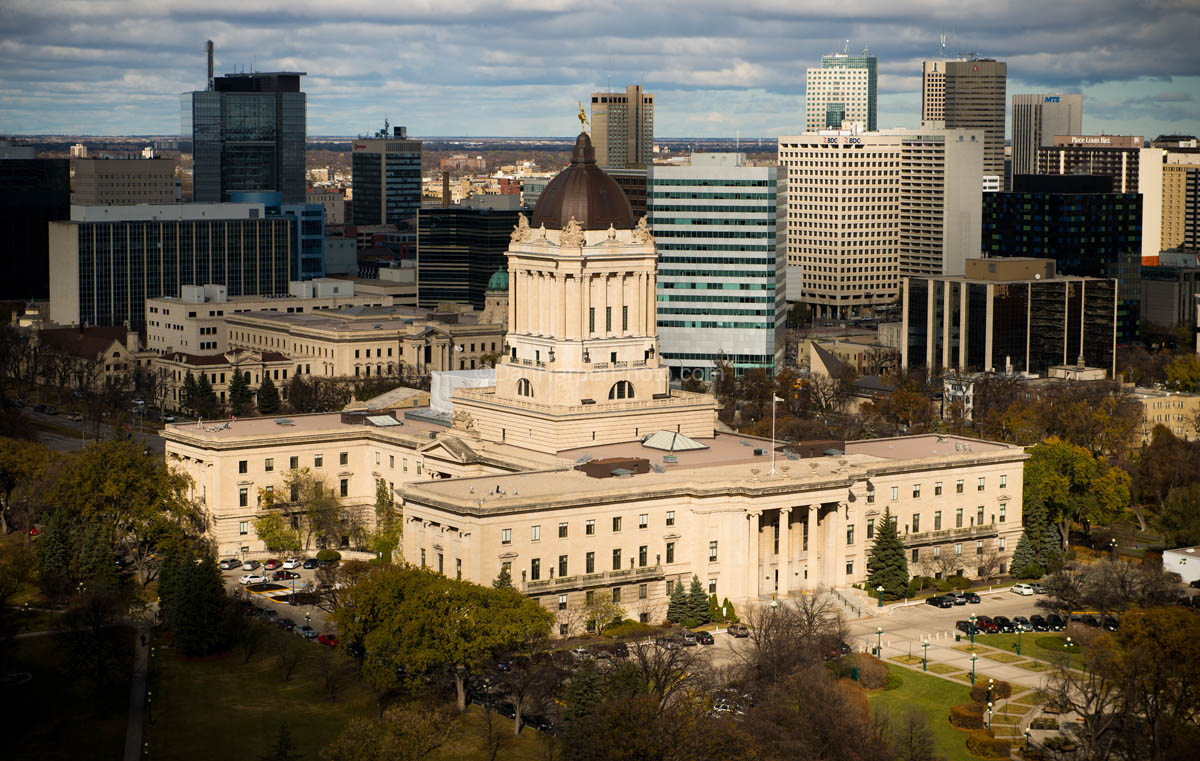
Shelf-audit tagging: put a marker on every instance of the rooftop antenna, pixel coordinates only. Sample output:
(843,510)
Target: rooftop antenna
(846,48)
(737,141)
(943,42)
(610,72)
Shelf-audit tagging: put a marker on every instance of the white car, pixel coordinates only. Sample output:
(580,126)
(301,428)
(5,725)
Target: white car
(292,563)
(253,578)
(1022,589)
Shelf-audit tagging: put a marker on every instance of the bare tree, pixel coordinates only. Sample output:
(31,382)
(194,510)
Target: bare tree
(336,670)
(289,651)
(249,636)
(948,564)
(491,733)
(571,620)
(989,562)
(667,671)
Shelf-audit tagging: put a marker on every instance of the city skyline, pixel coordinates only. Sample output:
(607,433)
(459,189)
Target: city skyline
(120,67)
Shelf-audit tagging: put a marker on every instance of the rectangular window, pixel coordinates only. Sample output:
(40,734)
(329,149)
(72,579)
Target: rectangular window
(535,533)
(958,518)
(643,520)
(343,458)
(1003,481)
(589,599)
(591,320)
(243,528)
(979,547)
(318,461)
(344,487)
(979,516)
(670,517)
(915,554)
(441,563)
(670,552)
(624,318)
(458,568)
(642,591)
(643,556)
(391,461)
(616,594)
(981,484)
(916,523)
(958,486)
(616,559)
(712,551)
(1003,541)
(562,531)
(562,565)
(670,587)
(589,563)
(506,536)
(712,586)
(937,489)
(850,534)
(1003,510)
(294,463)
(269,464)
(849,567)
(243,497)
(870,532)
(958,549)
(916,491)
(562,603)
(422,557)
(535,569)
(404,462)
(895,493)
(937,552)
(937,520)
(607,319)
(376,458)
(243,466)
(870,496)
(589,527)
(616,524)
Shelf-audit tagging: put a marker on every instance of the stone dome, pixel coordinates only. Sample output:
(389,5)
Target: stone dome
(586,192)
(499,281)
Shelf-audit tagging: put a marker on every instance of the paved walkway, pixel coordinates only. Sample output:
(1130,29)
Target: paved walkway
(137,695)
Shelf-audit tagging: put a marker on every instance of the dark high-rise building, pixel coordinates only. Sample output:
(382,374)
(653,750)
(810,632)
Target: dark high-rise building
(248,134)
(974,98)
(1077,221)
(459,248)
(387,179)
(1114,155)
(633,182)
(33,192)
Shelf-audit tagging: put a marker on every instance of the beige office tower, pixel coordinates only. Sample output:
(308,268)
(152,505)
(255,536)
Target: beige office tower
(842,92)
(905,201)
(1168,182)
(1037,119)
(933,91)
(623,128)
(974,98)
(124,182)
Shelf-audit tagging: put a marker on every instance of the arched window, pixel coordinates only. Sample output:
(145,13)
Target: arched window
(621,390)
(524,387)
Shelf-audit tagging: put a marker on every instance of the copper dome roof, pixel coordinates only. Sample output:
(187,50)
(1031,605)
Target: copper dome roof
(585,191)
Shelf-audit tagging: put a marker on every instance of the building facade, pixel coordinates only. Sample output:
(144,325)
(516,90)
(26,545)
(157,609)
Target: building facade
(387,179)
(843,91)
(1169,288)
(974,98)
(623,127)
(104,182)
(1177,410)
(1008,315)
(334,202)
(33,193)
(248,133)
(721,264)
(1037,120)
(458,249)
(1078,222)
(1169,182)
(107,260)
(1113,155)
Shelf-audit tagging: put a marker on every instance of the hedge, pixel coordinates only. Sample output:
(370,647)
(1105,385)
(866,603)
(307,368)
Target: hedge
(967,716)
(329,555)
(981,743)
(1000,691)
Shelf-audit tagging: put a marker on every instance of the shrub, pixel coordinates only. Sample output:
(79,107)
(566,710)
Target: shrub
(1000,691)
(967,716)
(872,672)
(894,681)
(1031,571)
(329,555)
(981,743)
(943,585)
(960,582)
(629,628)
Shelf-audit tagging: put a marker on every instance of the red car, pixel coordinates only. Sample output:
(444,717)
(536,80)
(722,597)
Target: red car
(284,576)
(328,640)
(272,564)
(985,625)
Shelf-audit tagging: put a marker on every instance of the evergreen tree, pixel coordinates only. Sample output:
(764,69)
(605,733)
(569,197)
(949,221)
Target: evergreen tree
(204,400)
(268,397)
(240,395)
(1050,558)
(697,604)
(886,565)
(95,561)
(55,551)
(284,748)
(584,693)
(677,605)
(714,608)
(187,396)
(1024,559)
(504,580)
(728,612)
(198,611)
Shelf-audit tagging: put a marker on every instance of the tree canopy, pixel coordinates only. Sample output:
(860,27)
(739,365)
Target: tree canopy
(1072,484)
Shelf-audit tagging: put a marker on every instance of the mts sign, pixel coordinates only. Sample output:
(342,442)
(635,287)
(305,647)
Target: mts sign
(1051,99)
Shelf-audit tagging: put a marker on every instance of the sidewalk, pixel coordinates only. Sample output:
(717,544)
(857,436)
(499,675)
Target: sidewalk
(137,695)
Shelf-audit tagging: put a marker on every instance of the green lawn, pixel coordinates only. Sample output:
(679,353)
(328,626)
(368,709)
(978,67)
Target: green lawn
(224,708)
(933,697)
(57,714)
(1031,644)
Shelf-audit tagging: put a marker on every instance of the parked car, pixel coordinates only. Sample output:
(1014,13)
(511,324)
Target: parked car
(229,564)
(738,630)
(306,631)
(1022,589)
(970,597)
(272,564)
(1056,622)
(250,565)
(310,563)
(540,723)
(1021,623)
(292,563)
(965,627)
(582,654)
(1005,623)
(687,639)
(286,624)
(986,625)
(328,640)
(168,418)
(1039,623)
(75,417)
(1110,623)
(1090,620)
(704,638)
(940,601)
(958,598)
(270,614)
(1038,588)
(253,578)
(284,576)
(668,643)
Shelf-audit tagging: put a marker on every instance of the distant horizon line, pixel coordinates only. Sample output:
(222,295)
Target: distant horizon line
(309,138)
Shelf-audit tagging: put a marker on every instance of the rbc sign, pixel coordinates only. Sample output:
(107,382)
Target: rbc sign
(1051,99)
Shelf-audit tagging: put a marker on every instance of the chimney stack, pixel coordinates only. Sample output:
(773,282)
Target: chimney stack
(208,47)
(445,188)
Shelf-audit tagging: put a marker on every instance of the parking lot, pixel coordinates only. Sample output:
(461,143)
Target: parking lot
(279,604)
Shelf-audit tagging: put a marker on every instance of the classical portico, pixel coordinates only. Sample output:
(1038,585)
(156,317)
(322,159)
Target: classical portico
(792,549)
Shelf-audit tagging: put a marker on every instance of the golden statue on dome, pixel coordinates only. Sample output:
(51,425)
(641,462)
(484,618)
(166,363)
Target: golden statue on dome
(583,120)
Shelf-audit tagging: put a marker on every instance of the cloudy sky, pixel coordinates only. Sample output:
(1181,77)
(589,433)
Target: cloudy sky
(517,67)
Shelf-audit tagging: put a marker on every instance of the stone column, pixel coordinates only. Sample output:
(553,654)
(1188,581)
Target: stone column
(512,301)
(814,542)
(752,555)
(784,563)
(834,521)
(649,323)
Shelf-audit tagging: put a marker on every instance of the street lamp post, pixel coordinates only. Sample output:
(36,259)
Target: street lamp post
(1019,641)
(308,619)
(25,609)
(973,659)
(1067,648)
(925,656)
(1113,546)
(972,630)
(989,719)
(879,592)
(990,685)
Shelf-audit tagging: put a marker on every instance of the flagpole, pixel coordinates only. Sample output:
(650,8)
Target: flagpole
(773,400)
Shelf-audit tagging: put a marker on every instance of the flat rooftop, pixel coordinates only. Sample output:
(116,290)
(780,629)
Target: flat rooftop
(214,431)
(359,319)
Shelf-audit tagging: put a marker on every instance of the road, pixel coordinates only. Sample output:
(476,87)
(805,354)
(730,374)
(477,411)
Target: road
(64,443)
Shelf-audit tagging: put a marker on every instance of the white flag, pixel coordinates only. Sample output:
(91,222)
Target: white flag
(775,398)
